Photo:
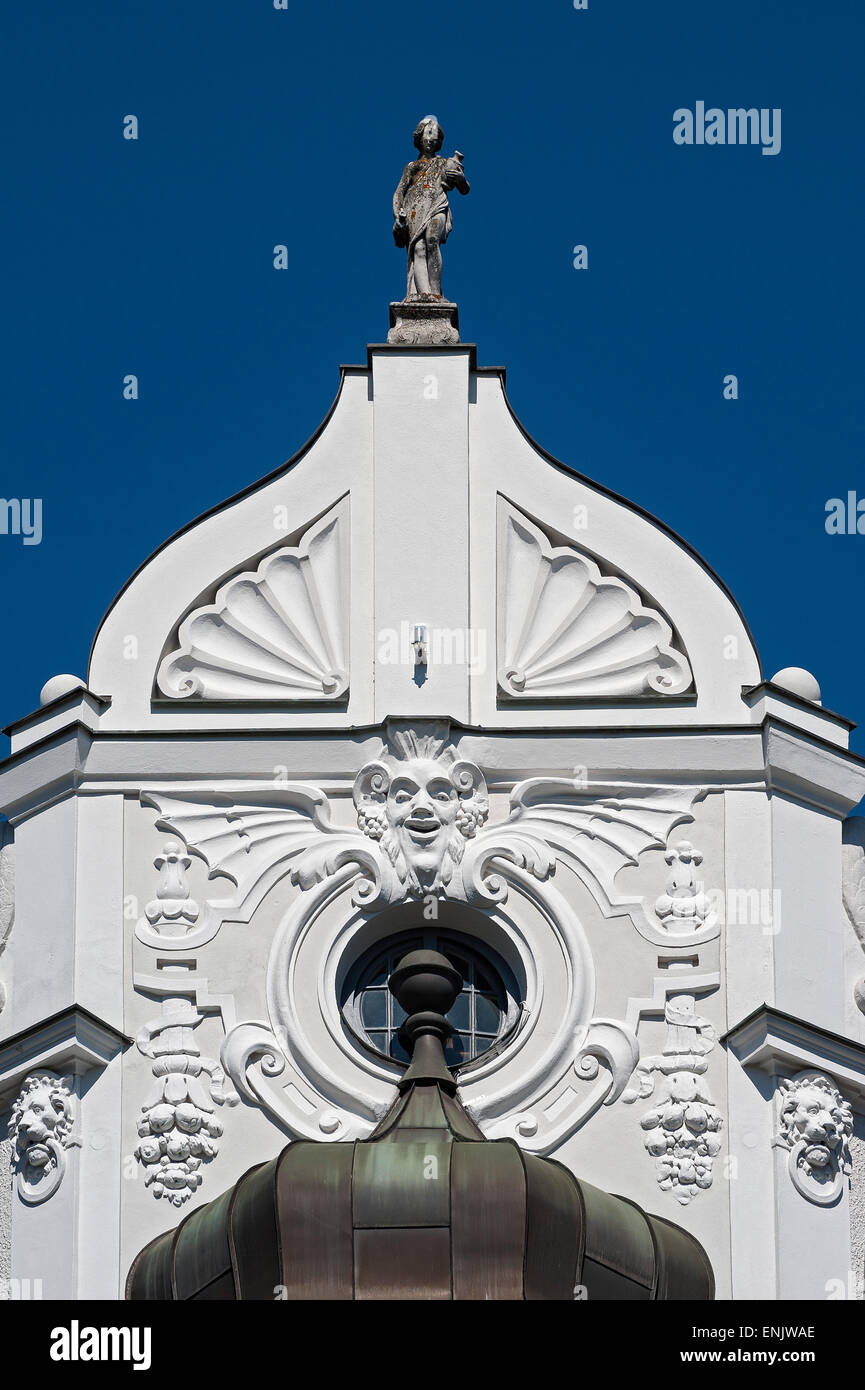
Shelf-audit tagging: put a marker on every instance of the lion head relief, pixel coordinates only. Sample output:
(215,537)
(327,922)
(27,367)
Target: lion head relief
(815,1123)
(40,1128)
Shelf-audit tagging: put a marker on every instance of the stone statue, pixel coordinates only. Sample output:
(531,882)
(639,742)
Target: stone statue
(422,215)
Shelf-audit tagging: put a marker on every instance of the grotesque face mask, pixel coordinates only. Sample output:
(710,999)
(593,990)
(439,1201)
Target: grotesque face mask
(422,809)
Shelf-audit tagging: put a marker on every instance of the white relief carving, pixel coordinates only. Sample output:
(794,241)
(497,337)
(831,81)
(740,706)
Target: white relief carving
(172,911)
(542,1098)
(682,1127)
(254,843)
(417,806)
(253,1058)
(274,633)
(607,1056)
(178,1129)
(173,920)
(598,829)
(610,1041)
(421,804)
(276,1065)
(421,818)
(569,631)
(683,907)
(40,1126)
(422,831)
(815,1124)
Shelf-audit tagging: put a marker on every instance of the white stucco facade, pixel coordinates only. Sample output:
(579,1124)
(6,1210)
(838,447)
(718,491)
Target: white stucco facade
(658,857)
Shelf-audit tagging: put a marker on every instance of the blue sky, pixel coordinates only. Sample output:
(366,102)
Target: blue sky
(260,127)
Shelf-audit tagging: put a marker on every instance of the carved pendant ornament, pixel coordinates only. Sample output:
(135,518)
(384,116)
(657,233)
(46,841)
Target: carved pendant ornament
(172,911)
(178,1130)
(173,920)
(682,1127)
(423,836)
(815,1125)
(684,909)
(41,1128)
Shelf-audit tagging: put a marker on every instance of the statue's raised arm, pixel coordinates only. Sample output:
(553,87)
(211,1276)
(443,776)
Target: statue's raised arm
(422,215)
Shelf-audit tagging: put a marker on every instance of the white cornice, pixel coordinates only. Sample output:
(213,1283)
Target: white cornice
(808,769)
(72,1041)
(773,756)
(781,1044)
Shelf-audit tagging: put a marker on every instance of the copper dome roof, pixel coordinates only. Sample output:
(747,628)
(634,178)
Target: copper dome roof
(425,1208)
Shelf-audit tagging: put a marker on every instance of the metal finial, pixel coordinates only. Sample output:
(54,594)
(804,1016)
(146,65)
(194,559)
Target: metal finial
(426,985)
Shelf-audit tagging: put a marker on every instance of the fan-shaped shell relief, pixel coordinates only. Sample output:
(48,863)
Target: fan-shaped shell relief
(568,631)
(274,633)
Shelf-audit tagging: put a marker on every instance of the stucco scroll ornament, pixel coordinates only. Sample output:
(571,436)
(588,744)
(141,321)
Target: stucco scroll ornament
(41,1126)
(417,807)
(421,815)
(422,832)
(178,1129)
(815,1124)
(598,828)
(681,1129)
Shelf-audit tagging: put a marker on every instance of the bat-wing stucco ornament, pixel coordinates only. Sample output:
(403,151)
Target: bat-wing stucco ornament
(421,813)
(422,833)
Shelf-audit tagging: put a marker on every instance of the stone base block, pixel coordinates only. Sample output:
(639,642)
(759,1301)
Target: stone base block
(424,323)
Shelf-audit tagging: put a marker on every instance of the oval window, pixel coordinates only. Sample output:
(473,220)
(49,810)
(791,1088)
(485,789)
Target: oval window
(486,1009)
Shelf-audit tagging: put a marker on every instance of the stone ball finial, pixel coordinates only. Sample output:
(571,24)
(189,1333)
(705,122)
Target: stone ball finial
(425,982)
(799,682)
(426,985)
(57,686)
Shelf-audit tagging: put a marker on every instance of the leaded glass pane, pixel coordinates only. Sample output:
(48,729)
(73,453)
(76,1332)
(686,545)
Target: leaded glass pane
(487,1014)
(460,1016)
(478,1013)
(373,1008)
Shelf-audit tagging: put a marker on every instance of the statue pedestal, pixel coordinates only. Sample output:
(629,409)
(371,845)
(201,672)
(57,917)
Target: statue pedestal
(424,323)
